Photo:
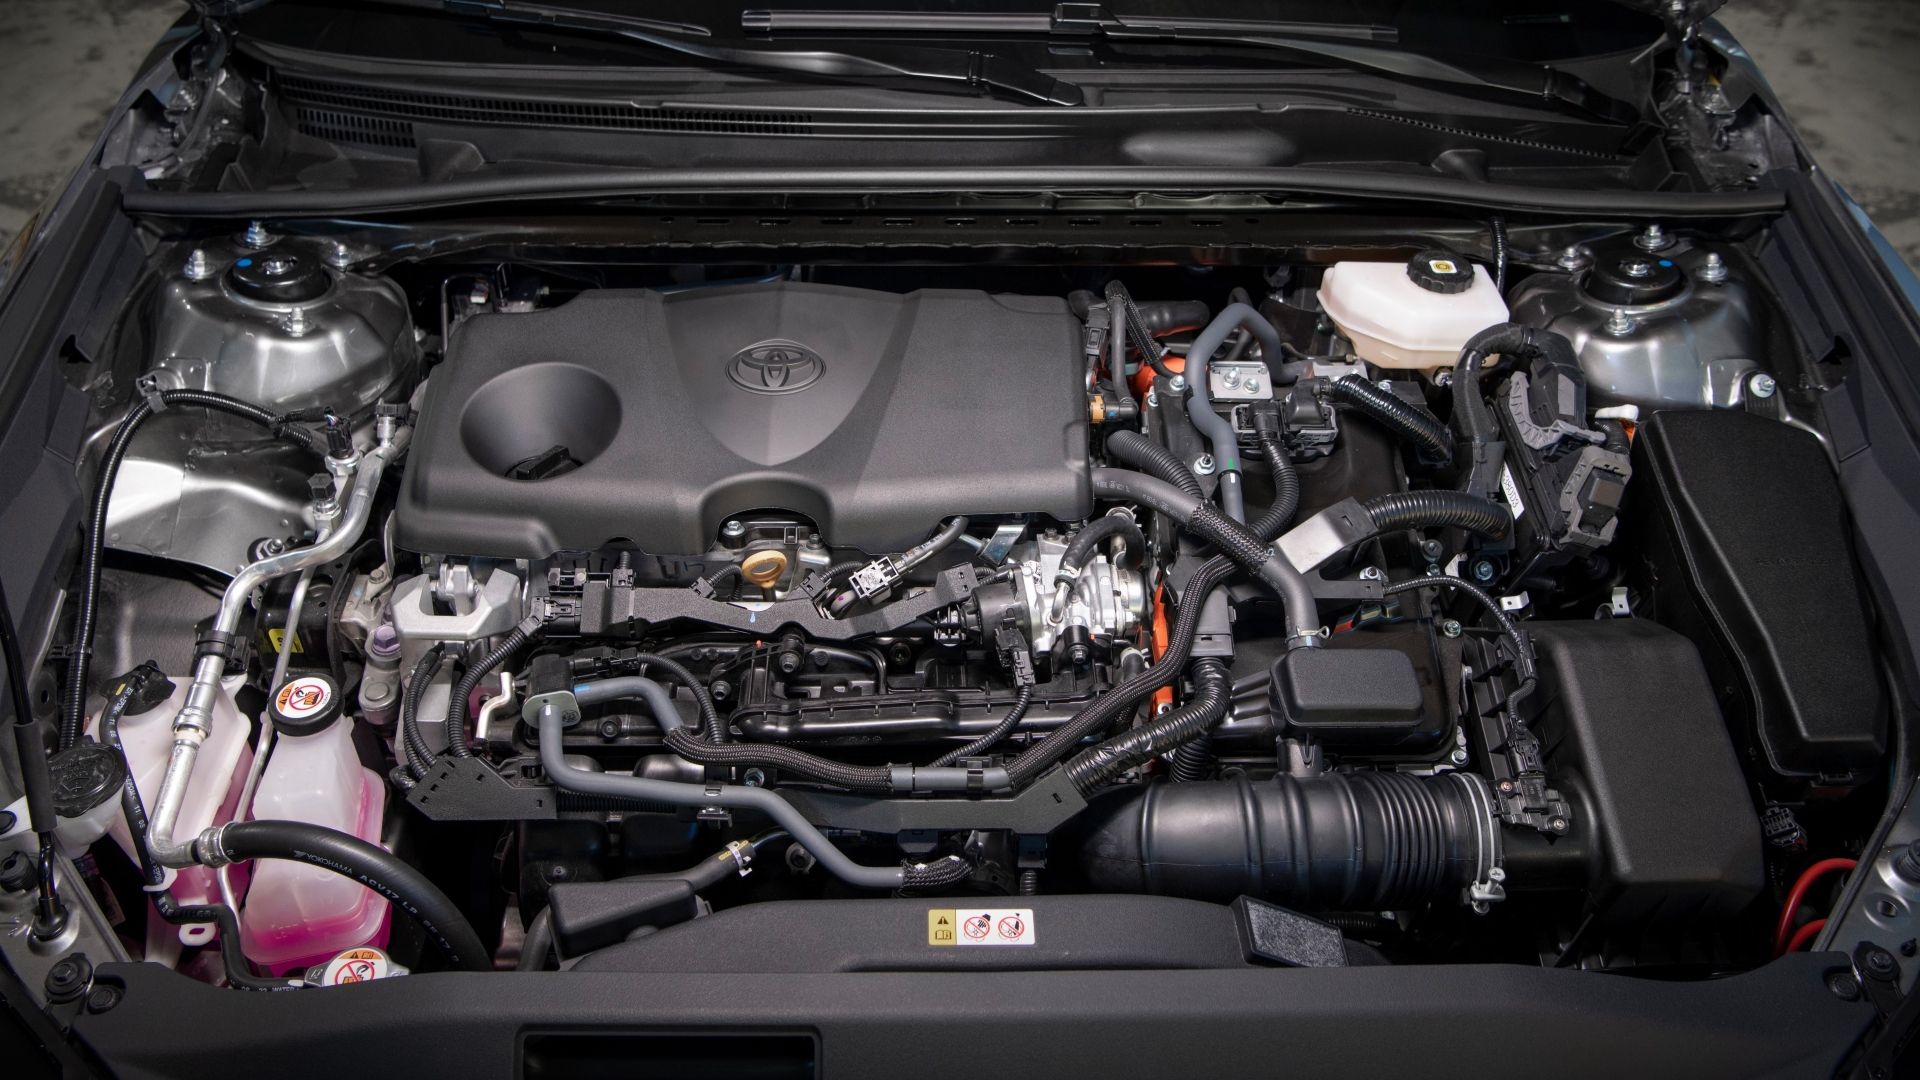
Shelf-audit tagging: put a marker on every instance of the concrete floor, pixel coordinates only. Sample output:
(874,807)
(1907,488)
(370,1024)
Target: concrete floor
(1843,67)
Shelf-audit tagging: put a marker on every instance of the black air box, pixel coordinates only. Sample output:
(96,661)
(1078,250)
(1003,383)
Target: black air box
(654,417)
(1629,724)
(1746,549)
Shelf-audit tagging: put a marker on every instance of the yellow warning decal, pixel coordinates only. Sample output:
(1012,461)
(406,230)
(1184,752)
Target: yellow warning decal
(275,636)
(940,926)
(980,926)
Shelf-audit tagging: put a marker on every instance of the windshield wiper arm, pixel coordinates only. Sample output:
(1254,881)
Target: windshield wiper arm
(1349,44)
(972,69)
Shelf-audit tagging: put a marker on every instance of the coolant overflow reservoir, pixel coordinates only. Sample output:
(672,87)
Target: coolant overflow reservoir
(296,915)
(1412,315)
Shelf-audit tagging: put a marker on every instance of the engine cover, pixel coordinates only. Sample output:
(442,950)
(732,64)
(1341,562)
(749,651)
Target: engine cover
(653,417)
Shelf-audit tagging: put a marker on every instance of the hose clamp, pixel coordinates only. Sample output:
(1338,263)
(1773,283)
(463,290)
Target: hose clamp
(1488,886)
(209,848)
(563,702)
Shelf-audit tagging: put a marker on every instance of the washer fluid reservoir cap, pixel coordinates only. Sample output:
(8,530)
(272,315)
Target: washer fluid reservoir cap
(84,777)
(1439,270)
(1625,276)
(278,276)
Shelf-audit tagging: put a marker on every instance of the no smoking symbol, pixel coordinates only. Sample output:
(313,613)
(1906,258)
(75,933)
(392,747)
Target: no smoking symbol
(1011,927)
(355,971)
(977,927)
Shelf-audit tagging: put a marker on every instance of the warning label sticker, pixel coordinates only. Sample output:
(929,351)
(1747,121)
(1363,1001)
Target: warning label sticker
(1511,489)
(301,698)
(980,926)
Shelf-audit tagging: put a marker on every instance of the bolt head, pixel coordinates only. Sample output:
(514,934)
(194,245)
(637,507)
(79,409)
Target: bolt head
(1558,824)
(1880,963)
(1177,384)
(256,235)
(1484,570)
(1506,787)
(1619,324)
(1652,238)
(103,998)
(1230,378)
(1762,385)
(1451,628)
(199,266)
(1714,270)
(339,255)
(753,778)
(733,529)
(1459,756)
(1204,465)
(1571,258)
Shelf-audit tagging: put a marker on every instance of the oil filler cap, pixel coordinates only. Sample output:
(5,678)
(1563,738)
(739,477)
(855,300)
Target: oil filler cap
(305,705)
(1439,270)
(278,277)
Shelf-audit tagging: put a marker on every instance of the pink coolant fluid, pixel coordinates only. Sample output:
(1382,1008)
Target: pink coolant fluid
(297,915)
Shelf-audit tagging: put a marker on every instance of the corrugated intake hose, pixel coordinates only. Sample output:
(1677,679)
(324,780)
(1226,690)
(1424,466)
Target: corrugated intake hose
(351,857)
(525,631)
(1413,425)
(74,707)
(1151,458)
(1334,842)
(567,777)
(1232,538)
(1099,764)
(1427,509)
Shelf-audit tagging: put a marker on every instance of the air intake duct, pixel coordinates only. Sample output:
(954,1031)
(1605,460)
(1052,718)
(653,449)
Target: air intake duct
(1333,842)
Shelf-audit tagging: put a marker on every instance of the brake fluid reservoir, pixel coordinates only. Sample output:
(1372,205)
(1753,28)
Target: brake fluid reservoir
(1412,315)
(297,915)
(219,772)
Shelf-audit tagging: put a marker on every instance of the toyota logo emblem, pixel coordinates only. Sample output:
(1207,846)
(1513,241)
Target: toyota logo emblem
(775,367)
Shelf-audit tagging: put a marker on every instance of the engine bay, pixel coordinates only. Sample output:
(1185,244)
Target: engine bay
(1422,607)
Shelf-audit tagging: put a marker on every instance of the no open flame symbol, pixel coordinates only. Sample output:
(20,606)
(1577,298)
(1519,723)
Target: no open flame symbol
(1011,928)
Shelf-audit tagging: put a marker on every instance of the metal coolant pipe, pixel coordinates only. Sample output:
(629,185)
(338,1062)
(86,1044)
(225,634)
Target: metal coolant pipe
(193,723)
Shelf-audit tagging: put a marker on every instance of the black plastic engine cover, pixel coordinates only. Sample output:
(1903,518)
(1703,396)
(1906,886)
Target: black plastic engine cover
(653,417)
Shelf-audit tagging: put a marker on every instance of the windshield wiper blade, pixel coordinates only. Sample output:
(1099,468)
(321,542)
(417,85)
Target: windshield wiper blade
(953,68)
(1060,21)
(1349,44)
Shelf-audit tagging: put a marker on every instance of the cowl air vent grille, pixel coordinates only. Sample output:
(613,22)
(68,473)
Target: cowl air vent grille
(377,115)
